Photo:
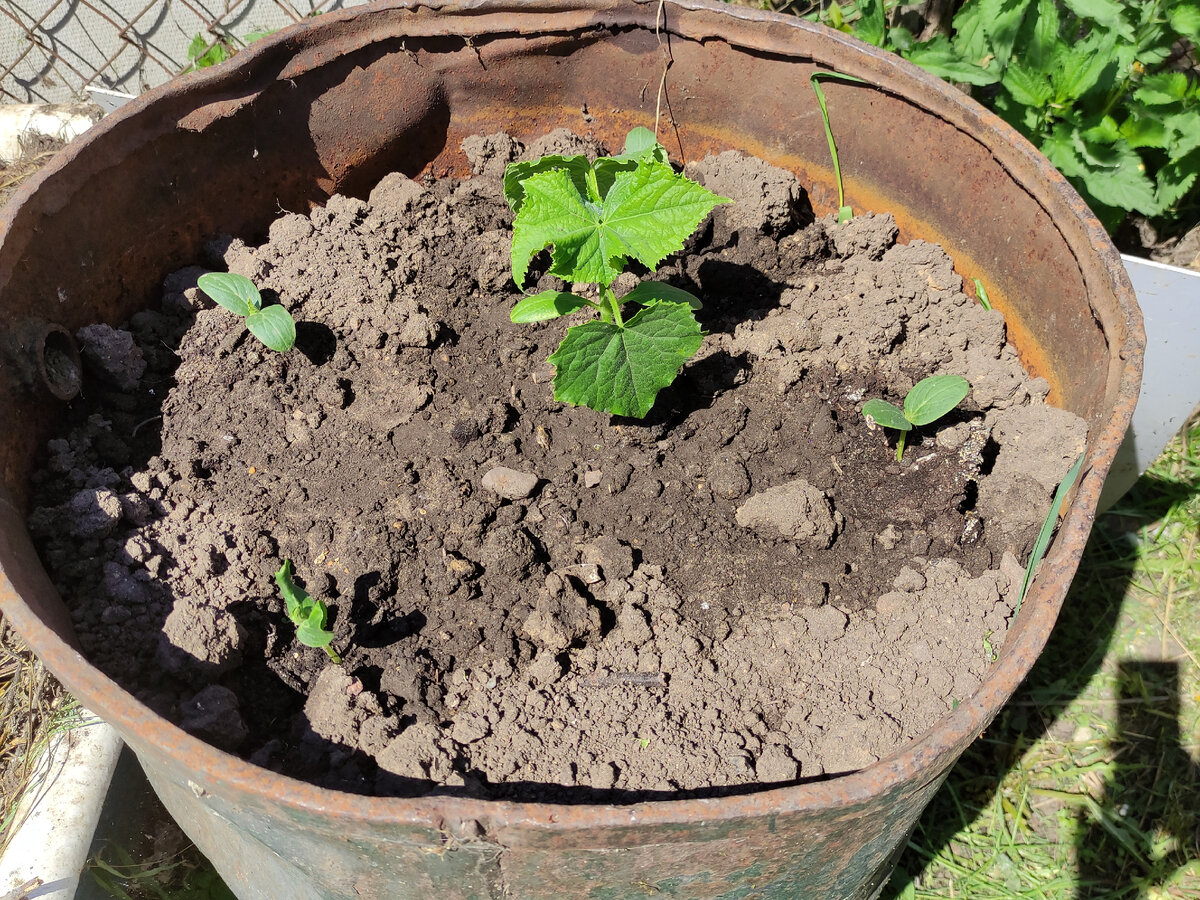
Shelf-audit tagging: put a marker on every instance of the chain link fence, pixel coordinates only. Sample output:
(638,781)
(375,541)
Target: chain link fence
(52,51)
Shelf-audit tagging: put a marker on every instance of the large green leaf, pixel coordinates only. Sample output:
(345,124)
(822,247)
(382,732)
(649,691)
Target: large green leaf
(647,213)
(1079,65)
(555,212)
(620,369)
(933,397)
(236,293)
(1184,130)
(1038,37)
(1142,128)
(577,167)
(872,23)
(987,29)
(652,211)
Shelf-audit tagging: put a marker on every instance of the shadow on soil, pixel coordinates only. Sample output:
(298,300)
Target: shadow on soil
(1155,795)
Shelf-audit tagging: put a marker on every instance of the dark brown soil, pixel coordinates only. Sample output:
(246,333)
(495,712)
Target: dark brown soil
(537,601)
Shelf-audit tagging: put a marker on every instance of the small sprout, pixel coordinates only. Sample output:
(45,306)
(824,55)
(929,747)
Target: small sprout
(982,294)
(988,650)
(272,325)
(307,614)
(596,216)
(929,400)
(845,213)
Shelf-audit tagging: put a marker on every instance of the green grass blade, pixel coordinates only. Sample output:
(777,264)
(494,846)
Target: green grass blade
(1043,538)
(844,212)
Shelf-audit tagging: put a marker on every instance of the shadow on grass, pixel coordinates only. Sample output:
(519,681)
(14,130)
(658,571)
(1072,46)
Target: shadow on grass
(1155,794)
(1144,829)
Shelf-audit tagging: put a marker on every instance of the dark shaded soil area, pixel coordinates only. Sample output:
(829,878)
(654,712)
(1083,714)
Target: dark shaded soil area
(536,601)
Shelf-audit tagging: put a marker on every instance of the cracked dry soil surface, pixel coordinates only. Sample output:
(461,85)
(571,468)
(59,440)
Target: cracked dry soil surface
(535,601)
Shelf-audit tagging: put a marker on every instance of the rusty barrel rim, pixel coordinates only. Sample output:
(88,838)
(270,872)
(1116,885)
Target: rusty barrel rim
(927,757)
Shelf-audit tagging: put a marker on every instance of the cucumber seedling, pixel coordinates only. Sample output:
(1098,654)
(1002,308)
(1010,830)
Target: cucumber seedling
(307,614)
(596,216)
(929,400)
(272,325)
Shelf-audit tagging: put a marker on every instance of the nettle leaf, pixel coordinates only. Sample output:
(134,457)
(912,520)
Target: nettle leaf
(1038,36)
(1059,147)
(1079,66)
(620,369)
(547,305)
(273,325)
(577,168)
(649,292)
(236,293)
(1102,131)
(933,397)
(1029,88)
(1184,131)
(939,57)
(1102,12)
(1184,16)
(989,28)
(872,23)
(1115,175)
(1162,88)
(1144,129)
(1176,178)
(886,414)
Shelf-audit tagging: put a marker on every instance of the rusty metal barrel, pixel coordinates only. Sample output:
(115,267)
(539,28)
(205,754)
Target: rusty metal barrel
(334,104)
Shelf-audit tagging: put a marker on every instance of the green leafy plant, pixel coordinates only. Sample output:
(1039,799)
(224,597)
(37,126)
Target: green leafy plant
(201,54)
(596,216)
(1094,84)
(272,325)
(306,613)
(929,400)
(845,213)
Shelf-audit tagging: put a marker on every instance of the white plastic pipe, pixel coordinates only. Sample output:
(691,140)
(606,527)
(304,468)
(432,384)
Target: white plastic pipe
(56,817)
(1170,300)
(21,123)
